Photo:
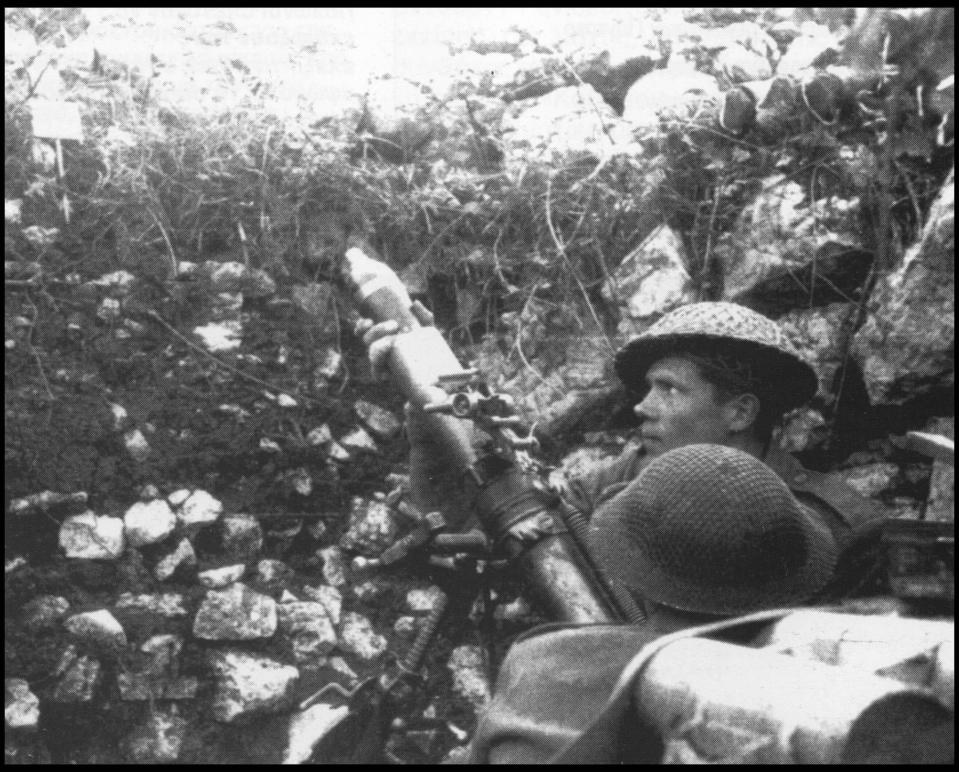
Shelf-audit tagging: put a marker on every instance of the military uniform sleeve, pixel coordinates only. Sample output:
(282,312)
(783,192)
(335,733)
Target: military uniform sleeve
(587,491)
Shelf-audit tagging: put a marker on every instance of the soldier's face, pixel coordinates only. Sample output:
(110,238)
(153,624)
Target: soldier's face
(680,408)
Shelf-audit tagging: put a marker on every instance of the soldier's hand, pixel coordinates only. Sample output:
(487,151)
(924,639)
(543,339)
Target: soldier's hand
(379,338)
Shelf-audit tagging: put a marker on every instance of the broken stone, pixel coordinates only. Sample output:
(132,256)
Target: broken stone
(250,684)
(99,629)
(317,529)
(371,528)
(359,440)
(337,452)
(907,345)
(423,600)
(650,281)
(309,628)
(242,536)
(215,578)
(358,636)
(287,597)
(821,336)
(164,650)
(334,566)
(178,497)
(300,481)
(199,510)
(273,571)
(235,614)
(330,597)
(46,501)
(136,445)
(368,590)
(380,421)
(149,492)
(148,523)
(166,604)
(140,687)
(21,707)
(872,480)
(221,336)
(470,680)
(44,612)
(183,555)
(159,739)
(79,682)
(92,537)
(319,436)
(802,430)
(308,727)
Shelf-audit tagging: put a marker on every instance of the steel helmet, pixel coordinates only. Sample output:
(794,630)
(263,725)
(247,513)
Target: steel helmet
(712,529)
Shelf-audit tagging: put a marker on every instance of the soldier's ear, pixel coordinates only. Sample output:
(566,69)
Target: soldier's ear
(743,410)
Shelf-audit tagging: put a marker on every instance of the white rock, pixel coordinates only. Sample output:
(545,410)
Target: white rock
(330,597)
(120,281)
(358,636)
(288,597)
(359,440)
(78,682)
(250,684)
(228,277)
(310,726)
(44,612)
(406,626)
(379,420)
(371,528)
(120,416)
(165,604)
(871,479)
(309,629)
(98,628)
(148,523)
(242,535)
(337,452)
(272,570)
(159,738)
(269,446)
(199,510)
(221,336)
(285,400)
(678,91)
(215,578)
(21,707)
(92,536)
(236,613)
(183,555)
(11,210)
(319,435)
(178,497)
(136,445)
(423,600)
(470,680)
(334,566)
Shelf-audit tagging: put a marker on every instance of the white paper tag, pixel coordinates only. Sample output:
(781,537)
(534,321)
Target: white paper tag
(56,119)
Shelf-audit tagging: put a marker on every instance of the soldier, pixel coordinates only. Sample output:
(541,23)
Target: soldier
(702,518)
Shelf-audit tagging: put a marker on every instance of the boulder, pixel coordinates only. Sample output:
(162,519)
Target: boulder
(470,680)
(309,628)
(197,510)
(168,605)
(786,250)
(235,614)
(92,537)
(249,685)
(158,739)
(358,637)
(650,281)
(334,565)
(330,597)
(242,536)
(44,612)
(78,682)
(371,527)
(821,335)
(907,346)
(677,92)
(216,578)
(21,707)
(567,125)
(98,629)
(183,555)
(148,522)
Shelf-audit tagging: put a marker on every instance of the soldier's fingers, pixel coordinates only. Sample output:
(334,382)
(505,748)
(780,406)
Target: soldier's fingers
(423,314)
(381,330)
(362,325)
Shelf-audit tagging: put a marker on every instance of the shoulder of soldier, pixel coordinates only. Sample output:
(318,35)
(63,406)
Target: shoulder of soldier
(852,509)
(605,479)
